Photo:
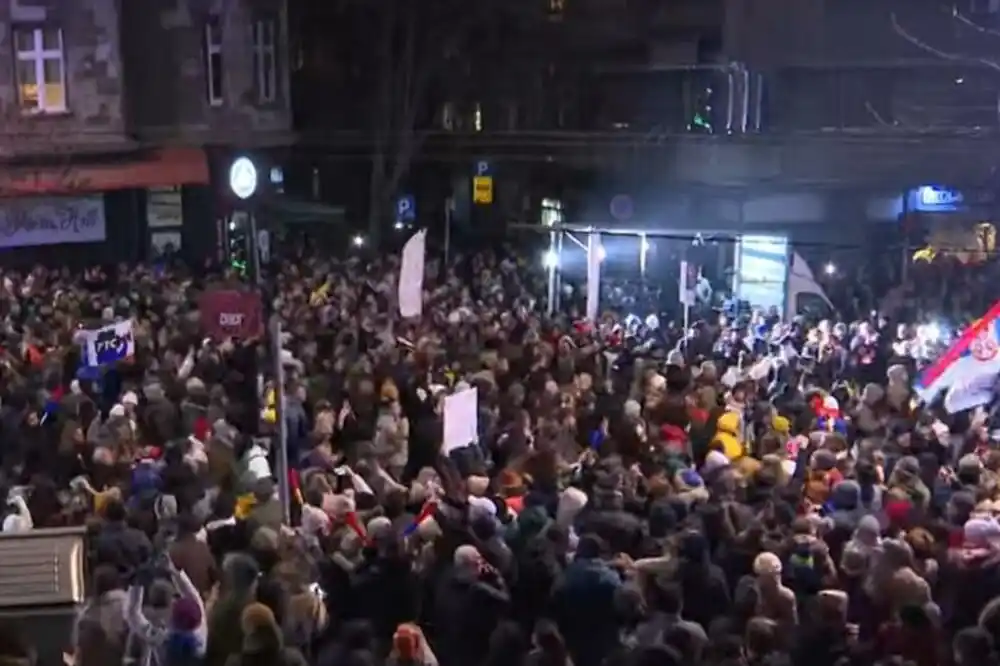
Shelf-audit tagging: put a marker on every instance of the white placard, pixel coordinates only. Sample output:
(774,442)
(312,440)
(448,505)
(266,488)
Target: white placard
(30,222)
(163,207)
(461,420)
(161,239)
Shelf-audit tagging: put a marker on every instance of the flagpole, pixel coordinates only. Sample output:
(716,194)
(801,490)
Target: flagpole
(281,459)
(274,333)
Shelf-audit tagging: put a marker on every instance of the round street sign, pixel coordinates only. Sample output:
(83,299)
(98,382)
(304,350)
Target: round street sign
(621,207)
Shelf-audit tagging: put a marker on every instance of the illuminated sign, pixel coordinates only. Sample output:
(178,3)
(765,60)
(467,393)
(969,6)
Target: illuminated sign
(933,196)
(482,190)
(929,198)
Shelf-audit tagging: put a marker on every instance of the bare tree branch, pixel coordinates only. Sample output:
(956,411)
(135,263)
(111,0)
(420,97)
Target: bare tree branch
(969,23)
(876,115)
(944,55)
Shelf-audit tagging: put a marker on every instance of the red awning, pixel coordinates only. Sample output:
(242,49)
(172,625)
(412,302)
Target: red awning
(161,168)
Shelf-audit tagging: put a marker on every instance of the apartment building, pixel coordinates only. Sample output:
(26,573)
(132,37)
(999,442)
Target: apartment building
(120,117)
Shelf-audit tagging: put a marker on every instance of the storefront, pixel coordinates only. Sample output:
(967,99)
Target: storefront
(119,208)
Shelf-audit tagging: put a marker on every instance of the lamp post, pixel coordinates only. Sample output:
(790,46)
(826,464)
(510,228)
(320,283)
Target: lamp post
(243,182)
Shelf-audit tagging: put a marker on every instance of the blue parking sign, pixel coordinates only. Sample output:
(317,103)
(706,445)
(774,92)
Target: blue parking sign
(406,208)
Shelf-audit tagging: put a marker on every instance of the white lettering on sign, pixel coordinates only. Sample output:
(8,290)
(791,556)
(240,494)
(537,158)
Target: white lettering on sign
(29,222)
(231,319)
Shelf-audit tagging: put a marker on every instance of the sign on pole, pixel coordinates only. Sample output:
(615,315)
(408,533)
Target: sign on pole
(406,208)
(482,184)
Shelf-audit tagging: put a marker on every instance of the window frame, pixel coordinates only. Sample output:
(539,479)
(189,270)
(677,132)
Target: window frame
(39,56)
(984,7)
(264,44)
(213,49)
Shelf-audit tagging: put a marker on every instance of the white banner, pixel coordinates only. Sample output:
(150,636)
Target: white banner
(29,222)
(594,258)
(411,276)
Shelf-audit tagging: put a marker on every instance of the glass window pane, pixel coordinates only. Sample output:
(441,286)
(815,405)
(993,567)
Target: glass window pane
(50,39)
(53,70)
(26,72)
(268,91)
(55,96)
(24,40)
(28,94)
(215,82)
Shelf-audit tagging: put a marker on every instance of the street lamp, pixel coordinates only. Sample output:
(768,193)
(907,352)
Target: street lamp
(243,181)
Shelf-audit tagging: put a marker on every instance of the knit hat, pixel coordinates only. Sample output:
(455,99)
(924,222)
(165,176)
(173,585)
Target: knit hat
(185,614)
(898,511)
(980,532)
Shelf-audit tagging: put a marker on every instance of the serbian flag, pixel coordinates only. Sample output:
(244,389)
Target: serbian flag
(425,512)
(973,360)
(51,408)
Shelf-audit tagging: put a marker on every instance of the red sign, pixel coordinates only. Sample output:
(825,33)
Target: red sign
(231,313)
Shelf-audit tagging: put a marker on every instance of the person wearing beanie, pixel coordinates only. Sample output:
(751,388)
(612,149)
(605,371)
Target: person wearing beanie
(184,634)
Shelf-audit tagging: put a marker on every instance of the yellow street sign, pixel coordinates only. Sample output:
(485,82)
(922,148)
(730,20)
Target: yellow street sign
(482,190)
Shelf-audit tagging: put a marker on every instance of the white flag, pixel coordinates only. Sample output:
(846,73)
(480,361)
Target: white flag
(593,275)
(801,281)
(688,283)
(411,276)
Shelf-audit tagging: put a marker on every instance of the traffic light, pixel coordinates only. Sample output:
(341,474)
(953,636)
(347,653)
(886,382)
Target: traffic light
(701,117)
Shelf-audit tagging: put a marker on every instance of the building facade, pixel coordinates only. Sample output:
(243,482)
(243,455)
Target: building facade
(118,119)
(567,105)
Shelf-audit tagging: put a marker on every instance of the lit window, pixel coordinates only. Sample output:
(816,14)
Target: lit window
(265,64)
(448,117)
(41,71)
(477,117)
(557,7)
(552,212)
(213,60)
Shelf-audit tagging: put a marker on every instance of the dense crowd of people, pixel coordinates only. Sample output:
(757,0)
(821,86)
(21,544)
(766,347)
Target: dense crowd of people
(750,492)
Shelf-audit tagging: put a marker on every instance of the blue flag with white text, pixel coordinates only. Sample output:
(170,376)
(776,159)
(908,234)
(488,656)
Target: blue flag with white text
(109,344)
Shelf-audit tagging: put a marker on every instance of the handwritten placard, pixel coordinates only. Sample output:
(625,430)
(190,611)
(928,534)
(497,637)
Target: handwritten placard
(51,221)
